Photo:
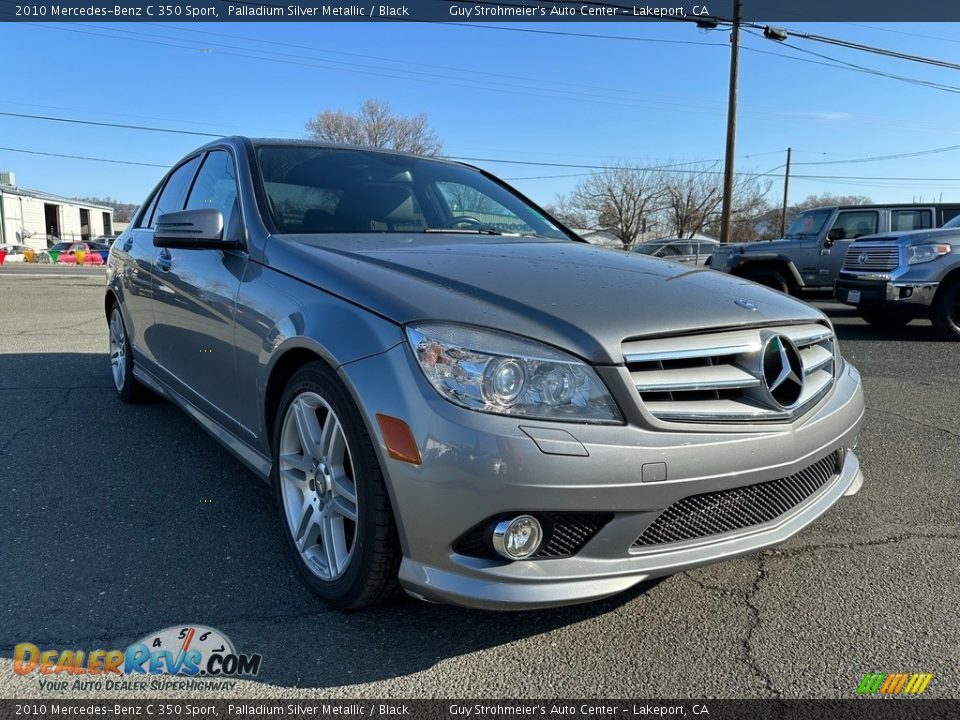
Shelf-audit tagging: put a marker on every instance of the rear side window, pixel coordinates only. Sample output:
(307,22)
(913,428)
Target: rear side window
(173,193)
(856,223)
(216,189)
(906,220)
(144,219)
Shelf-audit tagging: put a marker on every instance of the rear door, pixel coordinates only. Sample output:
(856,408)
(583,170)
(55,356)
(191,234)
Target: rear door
(195,299)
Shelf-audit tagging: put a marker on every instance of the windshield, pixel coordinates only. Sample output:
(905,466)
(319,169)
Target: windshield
(648,248)
(809,222)
(61,247)
(955,223)
(331,190)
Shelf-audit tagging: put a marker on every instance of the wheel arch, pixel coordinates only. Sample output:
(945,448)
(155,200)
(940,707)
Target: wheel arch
(949,280)
(778,263)
(292,356)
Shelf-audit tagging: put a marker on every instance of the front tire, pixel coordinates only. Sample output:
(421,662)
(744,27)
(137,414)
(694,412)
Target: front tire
(945,313)
(770,278)
(128,389)
(330,491)
(880,318)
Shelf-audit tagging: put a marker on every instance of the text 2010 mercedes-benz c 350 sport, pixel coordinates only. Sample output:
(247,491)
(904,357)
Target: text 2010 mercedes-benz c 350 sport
(449,391)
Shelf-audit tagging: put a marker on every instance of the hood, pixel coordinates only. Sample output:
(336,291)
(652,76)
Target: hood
(583,299)
(915,237)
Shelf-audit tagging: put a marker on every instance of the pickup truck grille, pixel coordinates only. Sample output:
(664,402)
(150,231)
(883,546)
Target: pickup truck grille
(724,377)
(872,256)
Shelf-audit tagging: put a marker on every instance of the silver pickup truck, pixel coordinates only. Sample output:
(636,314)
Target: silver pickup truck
(896,277)
(811,253)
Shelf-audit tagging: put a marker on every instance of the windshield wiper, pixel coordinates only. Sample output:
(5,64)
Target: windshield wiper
(465,231)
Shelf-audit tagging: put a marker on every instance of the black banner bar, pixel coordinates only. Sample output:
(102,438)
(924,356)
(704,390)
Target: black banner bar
(254,709)
(766,11)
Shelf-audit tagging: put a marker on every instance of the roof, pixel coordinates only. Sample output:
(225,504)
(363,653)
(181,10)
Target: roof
(41,195)
(673,238)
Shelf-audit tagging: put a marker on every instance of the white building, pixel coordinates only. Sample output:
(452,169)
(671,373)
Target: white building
(31,216)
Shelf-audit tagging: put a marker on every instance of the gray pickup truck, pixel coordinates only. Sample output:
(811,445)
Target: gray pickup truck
(894,277)
(811,253)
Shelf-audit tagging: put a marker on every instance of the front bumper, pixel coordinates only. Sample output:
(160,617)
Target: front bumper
(910,296)
(476,466)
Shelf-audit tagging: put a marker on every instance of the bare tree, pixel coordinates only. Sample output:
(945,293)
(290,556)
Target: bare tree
(621,200)
(375,125)
(562,208)
(694,200)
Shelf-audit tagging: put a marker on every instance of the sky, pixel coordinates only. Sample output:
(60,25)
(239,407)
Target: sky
(654,94)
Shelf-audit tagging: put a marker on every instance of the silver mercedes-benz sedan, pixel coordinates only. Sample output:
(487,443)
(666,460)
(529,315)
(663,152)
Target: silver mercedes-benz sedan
(450,393)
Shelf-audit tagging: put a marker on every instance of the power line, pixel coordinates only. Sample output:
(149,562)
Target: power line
(110,125)
(83,157)
(879,158)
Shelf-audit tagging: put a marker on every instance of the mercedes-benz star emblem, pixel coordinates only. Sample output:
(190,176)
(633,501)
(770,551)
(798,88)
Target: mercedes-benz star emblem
(782,370)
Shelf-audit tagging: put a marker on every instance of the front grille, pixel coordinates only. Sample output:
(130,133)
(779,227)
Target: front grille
(565,533)
(872,256)
(719,378)
(722,511)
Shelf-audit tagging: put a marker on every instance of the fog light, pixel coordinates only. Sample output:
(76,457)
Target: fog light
(518,538)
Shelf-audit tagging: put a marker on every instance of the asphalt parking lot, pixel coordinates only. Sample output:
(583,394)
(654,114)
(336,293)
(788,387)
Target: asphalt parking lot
(120,520)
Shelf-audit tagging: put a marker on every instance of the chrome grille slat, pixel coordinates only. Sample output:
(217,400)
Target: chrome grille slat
(717,377)
(723,511)
(881,257)
(707,377)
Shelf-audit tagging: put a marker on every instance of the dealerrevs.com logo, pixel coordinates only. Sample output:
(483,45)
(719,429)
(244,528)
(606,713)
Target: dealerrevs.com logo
(185,652)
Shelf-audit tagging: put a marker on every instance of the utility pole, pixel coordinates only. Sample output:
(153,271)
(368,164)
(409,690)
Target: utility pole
(727,210)
(786,189)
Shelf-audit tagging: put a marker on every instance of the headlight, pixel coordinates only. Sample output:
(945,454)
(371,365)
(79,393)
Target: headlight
(495,372)
(925,253)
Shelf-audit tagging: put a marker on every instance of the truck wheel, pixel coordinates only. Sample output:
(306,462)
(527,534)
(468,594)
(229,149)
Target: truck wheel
(878,317)
(945,313)
(330,490)
(770,278)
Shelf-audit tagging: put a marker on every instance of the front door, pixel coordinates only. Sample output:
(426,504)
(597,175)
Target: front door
(853,224)
(195,297)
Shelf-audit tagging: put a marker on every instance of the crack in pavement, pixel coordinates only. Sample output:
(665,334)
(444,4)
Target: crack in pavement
(753,609)
(915,421)
(56,407)
(753,623)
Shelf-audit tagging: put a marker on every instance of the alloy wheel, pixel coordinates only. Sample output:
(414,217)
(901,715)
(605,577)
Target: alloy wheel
(318,486)
(118,350)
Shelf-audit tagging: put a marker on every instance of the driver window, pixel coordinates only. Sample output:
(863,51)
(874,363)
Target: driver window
(856,223)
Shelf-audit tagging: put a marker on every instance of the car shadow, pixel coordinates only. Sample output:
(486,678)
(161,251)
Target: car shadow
(125,519)
(849,326)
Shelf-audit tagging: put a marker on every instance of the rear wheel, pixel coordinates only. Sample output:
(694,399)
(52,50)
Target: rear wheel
(769,277)
(121,359)
(945,313)
(332,497)
(884,318)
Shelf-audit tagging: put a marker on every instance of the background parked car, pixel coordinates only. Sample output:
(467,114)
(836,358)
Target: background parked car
(687,250)
(94,253)
(13,253)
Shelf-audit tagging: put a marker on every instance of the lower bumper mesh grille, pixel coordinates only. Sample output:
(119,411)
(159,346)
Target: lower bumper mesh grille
(737,508)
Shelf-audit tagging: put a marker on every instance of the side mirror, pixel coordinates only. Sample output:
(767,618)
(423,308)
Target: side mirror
(835,234)
(191,230)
